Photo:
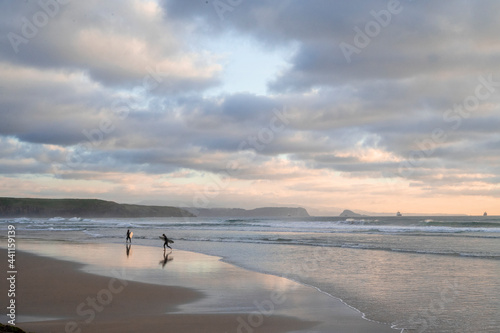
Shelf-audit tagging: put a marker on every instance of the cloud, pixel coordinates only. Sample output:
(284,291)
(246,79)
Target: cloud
(116,95)
(119,46)
(453,42)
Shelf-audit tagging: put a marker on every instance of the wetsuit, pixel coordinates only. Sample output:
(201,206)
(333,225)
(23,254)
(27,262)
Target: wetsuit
(166,242)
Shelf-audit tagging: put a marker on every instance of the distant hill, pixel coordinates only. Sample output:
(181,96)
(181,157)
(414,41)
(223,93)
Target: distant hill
(258,212)
(25,207)
(350,213)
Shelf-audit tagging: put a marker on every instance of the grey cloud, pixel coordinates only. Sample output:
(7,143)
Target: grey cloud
(24,158)
(116,45)
(424,38)
(279,22)
(391,97)
(170,134)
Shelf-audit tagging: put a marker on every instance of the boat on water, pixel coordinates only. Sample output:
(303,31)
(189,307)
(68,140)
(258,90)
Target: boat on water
(485,214)
(399,214)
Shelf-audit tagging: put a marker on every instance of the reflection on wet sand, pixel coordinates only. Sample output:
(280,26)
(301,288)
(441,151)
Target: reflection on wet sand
(166,258)
(127,249)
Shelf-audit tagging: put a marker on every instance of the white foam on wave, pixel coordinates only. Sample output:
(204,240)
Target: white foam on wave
(59,229)
(422,229)
(128,225)
(56,219)
(21,220)
(358,225)
(93,234)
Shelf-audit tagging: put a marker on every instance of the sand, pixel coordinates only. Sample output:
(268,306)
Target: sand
(54,295)
(49,288)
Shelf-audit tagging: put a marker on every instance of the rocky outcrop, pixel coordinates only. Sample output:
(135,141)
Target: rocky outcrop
(350,213)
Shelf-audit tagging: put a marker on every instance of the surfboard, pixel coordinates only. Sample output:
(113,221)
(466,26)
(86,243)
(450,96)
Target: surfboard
(131,234)
(169,241)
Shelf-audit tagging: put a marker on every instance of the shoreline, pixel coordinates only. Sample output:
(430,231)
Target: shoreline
(77,301)
(194,292)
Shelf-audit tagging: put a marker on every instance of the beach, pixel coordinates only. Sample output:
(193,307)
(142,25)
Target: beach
(320,274)
(96,288)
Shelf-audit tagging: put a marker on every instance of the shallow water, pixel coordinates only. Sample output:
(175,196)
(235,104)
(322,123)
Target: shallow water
(424,274)
(227,288)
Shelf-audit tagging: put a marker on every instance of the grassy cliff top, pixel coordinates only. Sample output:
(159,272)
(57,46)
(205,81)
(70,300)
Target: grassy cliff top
(30,207)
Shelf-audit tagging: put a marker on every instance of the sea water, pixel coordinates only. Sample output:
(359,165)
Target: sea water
(418,274)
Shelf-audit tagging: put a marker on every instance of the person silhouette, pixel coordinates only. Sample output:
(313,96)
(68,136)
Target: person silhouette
(128,236)
(166,242)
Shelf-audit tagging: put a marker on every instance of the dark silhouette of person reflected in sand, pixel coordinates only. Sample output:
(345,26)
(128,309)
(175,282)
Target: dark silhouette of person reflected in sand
(166,259)
(127,249)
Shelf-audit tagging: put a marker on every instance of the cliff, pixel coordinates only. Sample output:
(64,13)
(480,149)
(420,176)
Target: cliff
(258,212)
(24,207)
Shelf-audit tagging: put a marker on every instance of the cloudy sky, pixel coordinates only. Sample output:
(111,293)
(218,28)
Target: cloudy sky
(366,105)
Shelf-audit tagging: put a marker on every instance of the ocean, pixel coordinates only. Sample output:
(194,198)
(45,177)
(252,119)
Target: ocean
(417,274)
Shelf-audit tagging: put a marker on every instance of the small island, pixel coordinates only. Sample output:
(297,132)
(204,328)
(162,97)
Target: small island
(350,213)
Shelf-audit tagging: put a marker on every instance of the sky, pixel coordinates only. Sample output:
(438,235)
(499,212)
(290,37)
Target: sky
(377,106)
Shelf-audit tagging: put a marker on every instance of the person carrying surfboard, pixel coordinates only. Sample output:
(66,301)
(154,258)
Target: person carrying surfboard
(129,236)
(166,242)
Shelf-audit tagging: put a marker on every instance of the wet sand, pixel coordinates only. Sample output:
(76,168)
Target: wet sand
(191,293)
(54,296)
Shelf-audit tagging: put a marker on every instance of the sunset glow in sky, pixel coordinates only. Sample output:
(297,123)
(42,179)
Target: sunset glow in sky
(376,106)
